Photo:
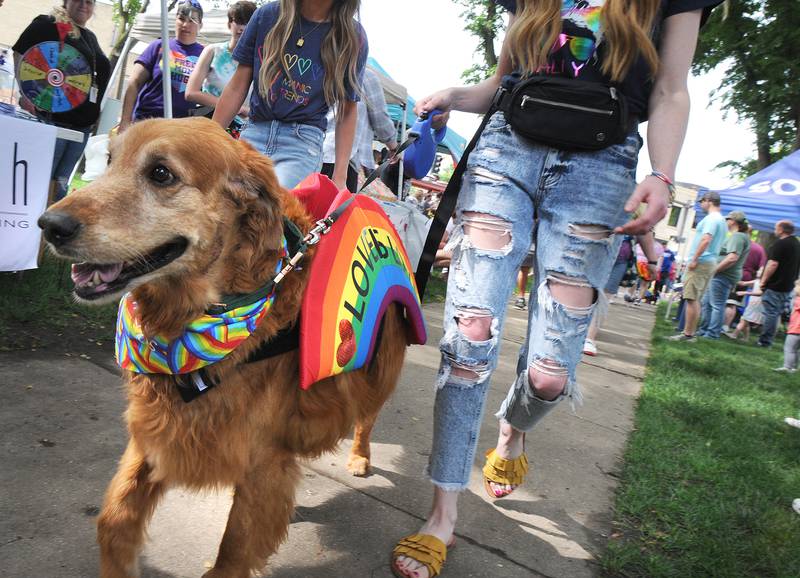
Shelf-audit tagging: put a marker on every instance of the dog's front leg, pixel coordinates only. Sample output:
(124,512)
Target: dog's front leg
(130,500)
(258,522)
(358,460)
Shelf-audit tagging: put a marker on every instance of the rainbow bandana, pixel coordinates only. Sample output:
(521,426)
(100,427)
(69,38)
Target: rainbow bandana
(359,269)
(204,341)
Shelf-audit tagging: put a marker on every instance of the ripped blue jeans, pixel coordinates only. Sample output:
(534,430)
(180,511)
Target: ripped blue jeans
(515,190)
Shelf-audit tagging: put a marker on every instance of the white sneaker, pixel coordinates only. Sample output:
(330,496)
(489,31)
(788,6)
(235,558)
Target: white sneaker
(796,505)
(792,422)
(784,370)
(589,348)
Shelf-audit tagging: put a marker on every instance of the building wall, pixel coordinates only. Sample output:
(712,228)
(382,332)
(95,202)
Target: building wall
(15,15)
(679,239)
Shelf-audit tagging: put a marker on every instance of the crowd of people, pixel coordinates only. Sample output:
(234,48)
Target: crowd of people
(294,70)
(728,273)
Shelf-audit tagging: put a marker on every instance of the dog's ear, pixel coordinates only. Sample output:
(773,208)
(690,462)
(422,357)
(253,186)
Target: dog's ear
(255,189)
(255,178)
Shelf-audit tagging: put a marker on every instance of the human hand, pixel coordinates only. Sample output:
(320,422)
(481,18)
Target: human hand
(692,265)
(393,156)
(655,194)
(244,112)
(651,271)
(443,100)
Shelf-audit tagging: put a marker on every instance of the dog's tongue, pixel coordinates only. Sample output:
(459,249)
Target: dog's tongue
(84,274)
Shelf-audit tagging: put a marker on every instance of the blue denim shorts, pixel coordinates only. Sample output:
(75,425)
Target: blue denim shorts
(295,148)
(576,200)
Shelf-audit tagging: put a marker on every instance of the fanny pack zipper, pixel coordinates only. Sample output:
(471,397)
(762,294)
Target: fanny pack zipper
(526,99)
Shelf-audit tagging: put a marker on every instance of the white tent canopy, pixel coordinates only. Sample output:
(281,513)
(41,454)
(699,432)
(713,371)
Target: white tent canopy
(393,91)
(147,27)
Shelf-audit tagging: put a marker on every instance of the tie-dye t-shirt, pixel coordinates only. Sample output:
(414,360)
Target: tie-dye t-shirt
(299,98)
(183,57)
(221,70)
(578,52)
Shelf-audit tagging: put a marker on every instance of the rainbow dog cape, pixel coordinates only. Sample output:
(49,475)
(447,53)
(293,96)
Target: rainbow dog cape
(359,269)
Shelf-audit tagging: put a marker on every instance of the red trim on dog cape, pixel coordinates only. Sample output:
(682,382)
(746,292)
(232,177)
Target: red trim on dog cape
(359,269)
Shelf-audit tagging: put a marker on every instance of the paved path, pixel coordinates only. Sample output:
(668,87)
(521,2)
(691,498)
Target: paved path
(62,433)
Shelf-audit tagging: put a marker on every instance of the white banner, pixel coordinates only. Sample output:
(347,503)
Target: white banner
(26,160)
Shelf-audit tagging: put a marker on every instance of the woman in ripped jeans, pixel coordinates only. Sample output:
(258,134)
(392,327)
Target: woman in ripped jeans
(573,204)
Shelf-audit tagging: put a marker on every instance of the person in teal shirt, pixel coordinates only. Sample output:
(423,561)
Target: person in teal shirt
(703,252)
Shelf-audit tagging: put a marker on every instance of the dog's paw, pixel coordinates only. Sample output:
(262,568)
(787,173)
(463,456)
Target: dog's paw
(358,465)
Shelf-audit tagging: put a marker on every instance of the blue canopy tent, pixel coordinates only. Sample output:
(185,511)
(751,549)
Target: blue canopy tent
(768,196)
(453,142)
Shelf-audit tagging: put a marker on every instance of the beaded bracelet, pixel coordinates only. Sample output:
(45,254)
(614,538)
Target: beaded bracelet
(670,185)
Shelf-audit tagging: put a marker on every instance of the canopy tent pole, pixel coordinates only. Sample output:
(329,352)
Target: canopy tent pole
(166,75)
(118,73)
(400,189)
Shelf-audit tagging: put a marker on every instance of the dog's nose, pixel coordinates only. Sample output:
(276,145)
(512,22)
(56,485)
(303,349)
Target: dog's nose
(59,228)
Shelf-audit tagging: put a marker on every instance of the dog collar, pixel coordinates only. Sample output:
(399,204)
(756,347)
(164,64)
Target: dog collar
(204,341)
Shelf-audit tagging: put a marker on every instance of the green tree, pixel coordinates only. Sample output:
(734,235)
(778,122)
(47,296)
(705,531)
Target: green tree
(484,21)
(124,15)
(753,42)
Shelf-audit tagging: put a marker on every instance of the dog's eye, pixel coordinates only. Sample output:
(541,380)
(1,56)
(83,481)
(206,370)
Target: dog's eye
(161,175)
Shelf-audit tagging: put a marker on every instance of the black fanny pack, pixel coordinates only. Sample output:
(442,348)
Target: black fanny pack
(565,113)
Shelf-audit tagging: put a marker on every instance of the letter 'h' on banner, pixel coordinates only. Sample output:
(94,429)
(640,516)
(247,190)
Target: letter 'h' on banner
(26,160)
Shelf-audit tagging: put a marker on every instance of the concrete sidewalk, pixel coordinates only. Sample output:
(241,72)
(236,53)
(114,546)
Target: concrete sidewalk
(62,434)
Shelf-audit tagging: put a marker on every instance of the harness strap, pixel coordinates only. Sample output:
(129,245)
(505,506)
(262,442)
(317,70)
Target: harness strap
(193,385)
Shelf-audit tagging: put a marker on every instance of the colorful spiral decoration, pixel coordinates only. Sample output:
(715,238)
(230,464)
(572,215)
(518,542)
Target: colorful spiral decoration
(55,77)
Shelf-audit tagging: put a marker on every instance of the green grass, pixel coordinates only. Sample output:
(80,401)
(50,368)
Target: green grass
(711,469)
(38,303)
(436,288)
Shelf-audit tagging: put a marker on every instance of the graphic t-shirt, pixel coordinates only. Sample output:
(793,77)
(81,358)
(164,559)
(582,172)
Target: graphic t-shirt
(43,29)
(300,97)
(182,59)
(579,49)
(712,224)
(221,70)
(738,243)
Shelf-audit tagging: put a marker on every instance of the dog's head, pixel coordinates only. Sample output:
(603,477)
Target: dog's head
(179,201)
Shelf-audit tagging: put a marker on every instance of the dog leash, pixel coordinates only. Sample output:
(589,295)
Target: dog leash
(438,224)
(394,157)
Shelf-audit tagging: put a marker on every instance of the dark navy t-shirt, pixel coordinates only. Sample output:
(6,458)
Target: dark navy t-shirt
(299,98)
(578,52)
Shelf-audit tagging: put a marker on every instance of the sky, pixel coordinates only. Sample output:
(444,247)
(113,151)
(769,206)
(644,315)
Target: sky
(423,45)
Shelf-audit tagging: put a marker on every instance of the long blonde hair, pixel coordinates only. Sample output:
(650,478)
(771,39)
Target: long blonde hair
(340,49)
(627,25)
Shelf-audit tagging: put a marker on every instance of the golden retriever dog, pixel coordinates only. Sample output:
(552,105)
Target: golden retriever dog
(184,215)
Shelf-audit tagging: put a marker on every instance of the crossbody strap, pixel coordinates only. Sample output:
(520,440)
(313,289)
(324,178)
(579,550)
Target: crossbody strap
(447,204)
